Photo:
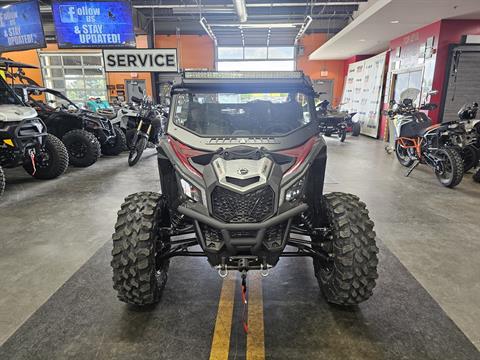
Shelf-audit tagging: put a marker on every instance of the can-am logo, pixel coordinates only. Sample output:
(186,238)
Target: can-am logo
(242,171)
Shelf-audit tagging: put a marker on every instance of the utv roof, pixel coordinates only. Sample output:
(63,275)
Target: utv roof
(32,88)
(8,63)
(244,81)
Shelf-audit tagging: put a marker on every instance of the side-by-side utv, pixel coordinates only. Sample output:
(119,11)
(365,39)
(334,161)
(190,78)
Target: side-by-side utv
(85,134)
(24,140)
(242,166)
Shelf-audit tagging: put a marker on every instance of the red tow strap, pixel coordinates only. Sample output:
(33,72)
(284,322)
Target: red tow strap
(32,158)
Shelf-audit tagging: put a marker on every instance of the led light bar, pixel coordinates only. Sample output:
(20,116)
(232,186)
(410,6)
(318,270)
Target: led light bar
(243,75)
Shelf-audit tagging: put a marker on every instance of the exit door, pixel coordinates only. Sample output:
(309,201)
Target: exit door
(326,87)
(132,88)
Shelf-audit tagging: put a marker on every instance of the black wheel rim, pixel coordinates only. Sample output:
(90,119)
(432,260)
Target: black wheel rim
(402,153)
(327,265)
(78,150)
(445,171)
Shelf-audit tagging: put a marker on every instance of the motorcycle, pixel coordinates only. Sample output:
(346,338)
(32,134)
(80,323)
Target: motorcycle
(419,142)
(147,128)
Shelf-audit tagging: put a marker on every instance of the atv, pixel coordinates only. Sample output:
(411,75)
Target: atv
(85,133)
(336,122)
(242,165)
(24,140)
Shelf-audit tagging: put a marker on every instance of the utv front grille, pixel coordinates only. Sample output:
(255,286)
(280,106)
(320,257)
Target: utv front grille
(254,206)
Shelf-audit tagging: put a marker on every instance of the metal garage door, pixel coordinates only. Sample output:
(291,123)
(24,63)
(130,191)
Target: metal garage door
(463,80)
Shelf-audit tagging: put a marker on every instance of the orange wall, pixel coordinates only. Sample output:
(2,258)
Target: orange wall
(313,68)
(28,57)
(194,51)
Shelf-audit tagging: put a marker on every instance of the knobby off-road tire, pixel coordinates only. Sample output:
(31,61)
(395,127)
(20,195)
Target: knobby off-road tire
(83,147)
(116,146)
(356,128)
(470,157)
(137,150)
(2,181)
(57,161)
(342,135)
(349,277)
(138,276)
(476,176)
(453,174)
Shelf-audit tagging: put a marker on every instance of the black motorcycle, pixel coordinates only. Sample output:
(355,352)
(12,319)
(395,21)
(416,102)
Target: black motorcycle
(420,142)
(148,127)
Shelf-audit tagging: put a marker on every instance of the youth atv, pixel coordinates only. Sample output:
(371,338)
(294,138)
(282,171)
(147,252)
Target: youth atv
(24,140)
(242,166)
(336,122)
(85,134)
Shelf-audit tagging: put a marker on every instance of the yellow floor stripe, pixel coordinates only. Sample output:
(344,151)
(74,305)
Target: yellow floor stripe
(255,337)
(223,324)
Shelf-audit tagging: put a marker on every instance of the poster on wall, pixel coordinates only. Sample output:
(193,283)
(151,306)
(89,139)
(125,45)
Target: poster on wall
(363,91)
(93,24)
(21,27)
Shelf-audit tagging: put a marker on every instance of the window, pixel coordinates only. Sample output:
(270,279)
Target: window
(79,76)
(256,58)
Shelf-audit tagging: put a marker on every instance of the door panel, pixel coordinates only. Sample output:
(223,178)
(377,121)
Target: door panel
(132,88)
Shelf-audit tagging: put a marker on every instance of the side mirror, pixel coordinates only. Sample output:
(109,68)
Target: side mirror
(428,106)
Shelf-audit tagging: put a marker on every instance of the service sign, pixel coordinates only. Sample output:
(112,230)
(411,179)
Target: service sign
(93,24)
(141,60)
(21,27)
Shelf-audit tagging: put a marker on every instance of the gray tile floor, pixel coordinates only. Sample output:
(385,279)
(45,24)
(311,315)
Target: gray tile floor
(50,229)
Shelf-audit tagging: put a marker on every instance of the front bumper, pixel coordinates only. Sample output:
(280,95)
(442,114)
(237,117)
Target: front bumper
(254,234)
(26,134)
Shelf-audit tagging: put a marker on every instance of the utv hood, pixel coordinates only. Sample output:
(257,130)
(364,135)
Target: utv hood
(16,113)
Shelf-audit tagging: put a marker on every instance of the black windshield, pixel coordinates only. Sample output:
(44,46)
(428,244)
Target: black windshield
(7,95)
(242,114)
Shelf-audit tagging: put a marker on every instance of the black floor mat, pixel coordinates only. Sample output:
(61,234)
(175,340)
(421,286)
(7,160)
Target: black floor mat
(84,320)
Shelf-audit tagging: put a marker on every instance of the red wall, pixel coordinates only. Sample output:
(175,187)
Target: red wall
(446,32)
(451,32)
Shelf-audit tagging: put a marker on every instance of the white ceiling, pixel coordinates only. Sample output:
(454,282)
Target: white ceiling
(371,30)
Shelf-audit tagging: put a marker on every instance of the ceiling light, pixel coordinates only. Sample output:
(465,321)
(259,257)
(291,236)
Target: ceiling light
(301,32)
(394,21)
(241,9)
(266,26)
(362,40)
(208,30)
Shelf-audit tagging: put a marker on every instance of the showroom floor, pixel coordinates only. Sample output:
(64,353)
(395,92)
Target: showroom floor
(57,301)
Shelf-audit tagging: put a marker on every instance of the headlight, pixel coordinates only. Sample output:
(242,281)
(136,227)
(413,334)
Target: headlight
(295,191)
(191,191)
